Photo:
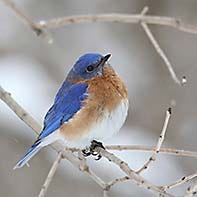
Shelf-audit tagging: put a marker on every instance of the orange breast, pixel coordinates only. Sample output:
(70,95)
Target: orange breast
(105,93)
(107,90)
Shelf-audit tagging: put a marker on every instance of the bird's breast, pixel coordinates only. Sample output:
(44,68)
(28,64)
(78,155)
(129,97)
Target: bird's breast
(103,112)
(107,90)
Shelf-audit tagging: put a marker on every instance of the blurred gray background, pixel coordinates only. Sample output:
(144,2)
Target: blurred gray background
(32,71)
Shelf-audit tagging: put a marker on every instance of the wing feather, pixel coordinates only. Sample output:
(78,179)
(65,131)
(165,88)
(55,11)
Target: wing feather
(65,106)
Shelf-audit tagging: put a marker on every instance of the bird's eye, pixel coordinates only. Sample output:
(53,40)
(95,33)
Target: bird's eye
(90,68)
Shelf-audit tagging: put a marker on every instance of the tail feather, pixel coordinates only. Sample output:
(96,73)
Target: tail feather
(30,153)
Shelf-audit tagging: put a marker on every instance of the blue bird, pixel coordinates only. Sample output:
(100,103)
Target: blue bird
(91,105)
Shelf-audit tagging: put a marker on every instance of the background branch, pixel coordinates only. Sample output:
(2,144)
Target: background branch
(191,190)
(130,173)
(169,151)
(35,27)
(19,111)
(50,175)
(105,193)
(159,143)
(120,18)
(40,28)
(160,51)
(179,181)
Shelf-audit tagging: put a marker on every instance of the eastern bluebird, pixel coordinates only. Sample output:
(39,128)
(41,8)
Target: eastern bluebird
(90,106)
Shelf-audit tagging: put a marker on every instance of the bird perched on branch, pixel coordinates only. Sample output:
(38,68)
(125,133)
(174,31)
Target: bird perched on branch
(90,106)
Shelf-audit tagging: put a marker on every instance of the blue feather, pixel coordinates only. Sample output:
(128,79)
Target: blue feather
(30,153)
(67,102)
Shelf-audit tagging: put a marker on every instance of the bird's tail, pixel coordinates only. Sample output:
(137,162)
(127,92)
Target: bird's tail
(30,153)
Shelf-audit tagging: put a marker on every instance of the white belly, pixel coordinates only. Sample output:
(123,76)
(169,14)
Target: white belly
(105,128)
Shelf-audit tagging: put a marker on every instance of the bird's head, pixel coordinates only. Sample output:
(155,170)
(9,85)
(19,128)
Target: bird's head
(88,66)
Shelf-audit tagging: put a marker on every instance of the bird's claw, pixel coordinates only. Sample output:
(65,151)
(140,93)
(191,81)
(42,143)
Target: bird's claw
(86,152)
(91,150)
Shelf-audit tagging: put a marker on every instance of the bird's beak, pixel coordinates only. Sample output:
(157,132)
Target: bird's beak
(104,59)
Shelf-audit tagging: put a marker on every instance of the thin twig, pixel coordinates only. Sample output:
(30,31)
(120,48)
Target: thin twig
(159,143)
(160,51)
(19,111)
(50,176)
(82,166)
(144,11)
(35,27)
(119,18)
(40,28)
(117,180)
(86,169)
(191,190)
(179,182)
(105,193)
(130,173)
(169,151)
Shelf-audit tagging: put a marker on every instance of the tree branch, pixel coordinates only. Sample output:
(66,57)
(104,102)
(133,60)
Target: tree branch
(159,143)
(120,18)
(169,151)
(179,182)
(35,27)
(105,193)
(117,180)
(40,28)
(19,111)
(191,190)
(160,51)
(130,173)
(50,176)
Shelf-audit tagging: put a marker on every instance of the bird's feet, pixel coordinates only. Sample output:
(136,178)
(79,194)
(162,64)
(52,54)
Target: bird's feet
(91,150)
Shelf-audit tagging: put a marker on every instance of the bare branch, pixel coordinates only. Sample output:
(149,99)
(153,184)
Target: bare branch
(130,173)
(35,27)
(105,193)
(86,169)
(117,180)
(159,143)
(160,51)
(19,111)
(179,182)
(191,190)
(50,176)
(40,28)
(169,151)
(144,11)
(120,18)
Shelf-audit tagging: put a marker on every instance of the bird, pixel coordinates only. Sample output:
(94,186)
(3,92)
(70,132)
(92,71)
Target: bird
(90,107)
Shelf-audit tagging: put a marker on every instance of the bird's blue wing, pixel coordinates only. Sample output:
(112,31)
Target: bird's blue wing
(65,106)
